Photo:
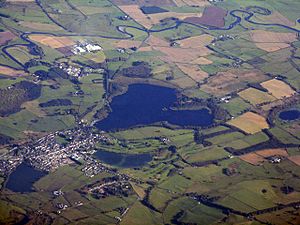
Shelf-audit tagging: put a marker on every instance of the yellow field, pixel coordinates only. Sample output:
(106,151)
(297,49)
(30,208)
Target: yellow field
(11,72)
(52,41)
(195,42)
(193,71)
(278,88)
(249,122)
(255,96)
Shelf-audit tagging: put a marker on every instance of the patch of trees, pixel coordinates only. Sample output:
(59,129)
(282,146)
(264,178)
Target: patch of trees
(138,70)
(4,140)
(12,98)
(56,102)
(258,86)
(36,50)
(2,3)
(42,74)
(56,72)
(211,103)
(287,189)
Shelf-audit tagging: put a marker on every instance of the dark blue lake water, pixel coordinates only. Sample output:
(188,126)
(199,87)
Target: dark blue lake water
(145,104)
(22,179)
(290,114)
(123,160)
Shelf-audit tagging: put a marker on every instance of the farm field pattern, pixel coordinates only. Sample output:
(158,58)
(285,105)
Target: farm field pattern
(138,112)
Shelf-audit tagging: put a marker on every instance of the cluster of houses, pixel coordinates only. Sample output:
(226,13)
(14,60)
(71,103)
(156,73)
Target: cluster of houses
(47,154)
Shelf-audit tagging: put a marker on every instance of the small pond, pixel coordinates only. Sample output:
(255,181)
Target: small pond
(22,179)
(292,114)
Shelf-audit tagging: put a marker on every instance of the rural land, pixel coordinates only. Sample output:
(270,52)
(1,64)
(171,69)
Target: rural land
(150,112)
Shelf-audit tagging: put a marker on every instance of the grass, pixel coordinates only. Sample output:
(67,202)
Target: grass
(284,136)
(225,138)
(248,141)
(159,198)
(255,96)
(236,106)
(209,153)
(202,213)
(139,214)
(250,196)
(175,183)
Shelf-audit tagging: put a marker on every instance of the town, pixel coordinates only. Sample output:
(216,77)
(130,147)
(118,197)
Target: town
(47,154)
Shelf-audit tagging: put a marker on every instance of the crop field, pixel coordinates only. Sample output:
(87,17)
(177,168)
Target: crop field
(249,122)
(193,71)
(295,159)
(195,42)
(258,157)
(52,41)
(200,3)
(11,72)
(6,36)
(278,88)
(271,41)
(256,97)
(212,16)
(253,159)
(40,26)
(224,83)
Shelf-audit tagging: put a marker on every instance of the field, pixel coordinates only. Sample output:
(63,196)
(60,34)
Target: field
(295,159)
(224,83)
(249,122)
(195,42)
(11,72)
(193,71)
(6,36)
(278,88)
(212,16)
(145,2)
(52,41)
(200,3)
(236,106)
(258,157)
(256,97)
(40,26)
(271,41)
